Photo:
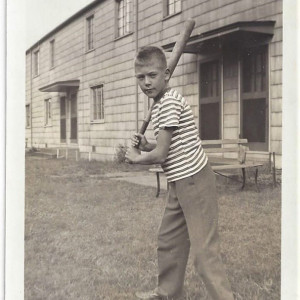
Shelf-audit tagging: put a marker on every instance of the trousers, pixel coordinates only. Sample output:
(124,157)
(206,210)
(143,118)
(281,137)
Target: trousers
(190,221)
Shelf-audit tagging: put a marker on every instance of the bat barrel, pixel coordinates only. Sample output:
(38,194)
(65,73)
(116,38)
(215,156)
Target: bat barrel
(179,46)
(176,53)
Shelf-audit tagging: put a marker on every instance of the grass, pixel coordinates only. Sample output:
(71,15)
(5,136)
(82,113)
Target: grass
(88,237)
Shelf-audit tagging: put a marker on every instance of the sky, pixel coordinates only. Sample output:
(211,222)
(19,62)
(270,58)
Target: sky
(44,15)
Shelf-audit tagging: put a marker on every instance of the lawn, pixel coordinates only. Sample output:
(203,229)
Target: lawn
(89,237)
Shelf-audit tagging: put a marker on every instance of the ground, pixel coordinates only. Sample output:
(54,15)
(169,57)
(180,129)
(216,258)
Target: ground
(90,237)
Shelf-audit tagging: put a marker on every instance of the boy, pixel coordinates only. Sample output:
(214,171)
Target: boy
(191,212)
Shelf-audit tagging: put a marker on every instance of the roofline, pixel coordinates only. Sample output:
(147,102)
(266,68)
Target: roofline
(217,32)
(68,21)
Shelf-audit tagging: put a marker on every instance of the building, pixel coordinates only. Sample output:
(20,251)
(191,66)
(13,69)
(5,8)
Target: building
(80,86)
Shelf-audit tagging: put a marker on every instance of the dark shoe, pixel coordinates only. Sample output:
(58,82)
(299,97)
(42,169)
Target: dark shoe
(148,295)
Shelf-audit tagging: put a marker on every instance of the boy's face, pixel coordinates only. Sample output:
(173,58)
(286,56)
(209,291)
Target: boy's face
(152,78)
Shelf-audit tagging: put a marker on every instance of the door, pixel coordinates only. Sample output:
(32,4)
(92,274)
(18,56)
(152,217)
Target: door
(209,125)
(63,120)
(73,118)
(254,98)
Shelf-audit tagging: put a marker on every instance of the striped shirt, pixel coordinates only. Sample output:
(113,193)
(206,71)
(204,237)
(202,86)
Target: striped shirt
(186,156)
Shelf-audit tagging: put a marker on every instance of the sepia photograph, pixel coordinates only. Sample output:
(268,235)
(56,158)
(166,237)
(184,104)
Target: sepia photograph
(153,161)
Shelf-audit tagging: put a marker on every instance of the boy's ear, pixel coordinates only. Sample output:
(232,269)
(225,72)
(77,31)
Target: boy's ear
(167,75)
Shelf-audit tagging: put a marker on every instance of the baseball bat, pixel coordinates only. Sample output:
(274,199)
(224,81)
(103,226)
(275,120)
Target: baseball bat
(172,62)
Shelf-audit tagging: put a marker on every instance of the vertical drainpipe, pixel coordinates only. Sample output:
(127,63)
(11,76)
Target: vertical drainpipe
(136,85)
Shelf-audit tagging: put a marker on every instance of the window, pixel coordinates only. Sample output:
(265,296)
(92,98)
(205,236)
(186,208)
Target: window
(36,62)
(210,80)
(210,100)
(172,7)
(254,98)
(90,33)
(52,53)
(28,115)
(63,120)
(48,112)
(124,17)
(98,102)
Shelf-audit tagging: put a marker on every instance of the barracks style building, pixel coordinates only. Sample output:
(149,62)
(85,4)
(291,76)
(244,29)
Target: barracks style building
(81,91)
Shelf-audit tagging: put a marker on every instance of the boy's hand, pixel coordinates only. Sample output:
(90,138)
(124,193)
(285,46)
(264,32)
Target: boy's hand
(131,155)
(139,141)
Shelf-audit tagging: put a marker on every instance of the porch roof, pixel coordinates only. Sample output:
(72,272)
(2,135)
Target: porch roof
(240,33)
(60,86)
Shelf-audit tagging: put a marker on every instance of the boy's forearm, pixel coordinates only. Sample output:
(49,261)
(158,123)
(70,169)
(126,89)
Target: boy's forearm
(149,147)
(149,158)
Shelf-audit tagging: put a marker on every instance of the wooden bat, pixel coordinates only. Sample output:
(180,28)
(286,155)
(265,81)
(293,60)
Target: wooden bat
(172,63)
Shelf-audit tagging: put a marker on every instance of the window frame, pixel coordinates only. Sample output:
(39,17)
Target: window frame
(97,116)
(36,62)
(127,24)
(27,116)
(90,32)
(211,99)
(166,8)
(246,96)
(47,112)
(52,53)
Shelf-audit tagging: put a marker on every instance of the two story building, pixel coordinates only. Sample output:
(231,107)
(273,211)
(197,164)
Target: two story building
(81,91)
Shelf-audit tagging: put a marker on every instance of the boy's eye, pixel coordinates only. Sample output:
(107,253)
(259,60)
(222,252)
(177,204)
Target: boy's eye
(140,77)
(152,75)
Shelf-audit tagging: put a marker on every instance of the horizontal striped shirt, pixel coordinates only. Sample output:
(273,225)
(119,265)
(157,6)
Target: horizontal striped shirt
(186,156)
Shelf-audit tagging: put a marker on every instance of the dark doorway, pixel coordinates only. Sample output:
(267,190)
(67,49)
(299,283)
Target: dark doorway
(63,120)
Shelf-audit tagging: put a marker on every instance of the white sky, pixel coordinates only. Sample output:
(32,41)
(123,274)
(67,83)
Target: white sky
(44,15)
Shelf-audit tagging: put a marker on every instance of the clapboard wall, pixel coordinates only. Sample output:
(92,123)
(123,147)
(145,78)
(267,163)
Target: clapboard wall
(111,64)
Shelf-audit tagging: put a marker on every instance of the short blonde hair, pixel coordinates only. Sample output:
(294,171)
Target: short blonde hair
(146,53)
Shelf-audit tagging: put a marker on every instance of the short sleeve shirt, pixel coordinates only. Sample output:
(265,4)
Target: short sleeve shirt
(186,156)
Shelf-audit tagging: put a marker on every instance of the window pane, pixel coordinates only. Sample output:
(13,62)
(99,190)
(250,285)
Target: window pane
(210,116)
(52,53)
(254,70)
(173,6)
(63,131)
(254,120)
(90,33)
(49,109)
(209,76)
(36,62)
(46,112)
(63,107)
(124,17)
(98,103)
(177,5)
(27,115)
(95,103)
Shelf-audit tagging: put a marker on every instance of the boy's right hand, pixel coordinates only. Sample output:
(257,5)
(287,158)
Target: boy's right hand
(139,141)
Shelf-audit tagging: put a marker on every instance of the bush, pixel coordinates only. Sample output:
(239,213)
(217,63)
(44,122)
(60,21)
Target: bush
(120,153)
(32,149)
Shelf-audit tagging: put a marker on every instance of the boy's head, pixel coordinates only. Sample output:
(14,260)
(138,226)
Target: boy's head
(151,71)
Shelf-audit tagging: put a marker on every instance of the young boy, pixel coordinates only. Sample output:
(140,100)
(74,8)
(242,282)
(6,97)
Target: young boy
(191,213)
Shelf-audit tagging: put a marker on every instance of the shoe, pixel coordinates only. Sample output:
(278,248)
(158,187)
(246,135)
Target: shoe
(152,295)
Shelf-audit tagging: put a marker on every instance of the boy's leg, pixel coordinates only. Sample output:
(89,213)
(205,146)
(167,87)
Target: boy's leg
(173,248)
(198,198)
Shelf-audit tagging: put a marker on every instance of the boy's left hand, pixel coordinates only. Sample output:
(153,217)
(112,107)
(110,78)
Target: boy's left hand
(131,155)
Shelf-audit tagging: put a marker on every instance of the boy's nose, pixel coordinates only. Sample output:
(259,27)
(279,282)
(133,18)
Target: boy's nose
(147,81)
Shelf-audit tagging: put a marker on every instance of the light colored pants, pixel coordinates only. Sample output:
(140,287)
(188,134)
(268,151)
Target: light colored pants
(191,218)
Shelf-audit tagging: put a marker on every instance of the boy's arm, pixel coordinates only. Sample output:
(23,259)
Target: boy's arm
(156,156)
(139,141)
(149,147)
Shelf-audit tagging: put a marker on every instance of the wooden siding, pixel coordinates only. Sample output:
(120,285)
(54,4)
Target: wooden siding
(111,64)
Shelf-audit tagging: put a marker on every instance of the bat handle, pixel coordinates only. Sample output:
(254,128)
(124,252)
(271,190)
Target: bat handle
(145,124)
(142,131)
